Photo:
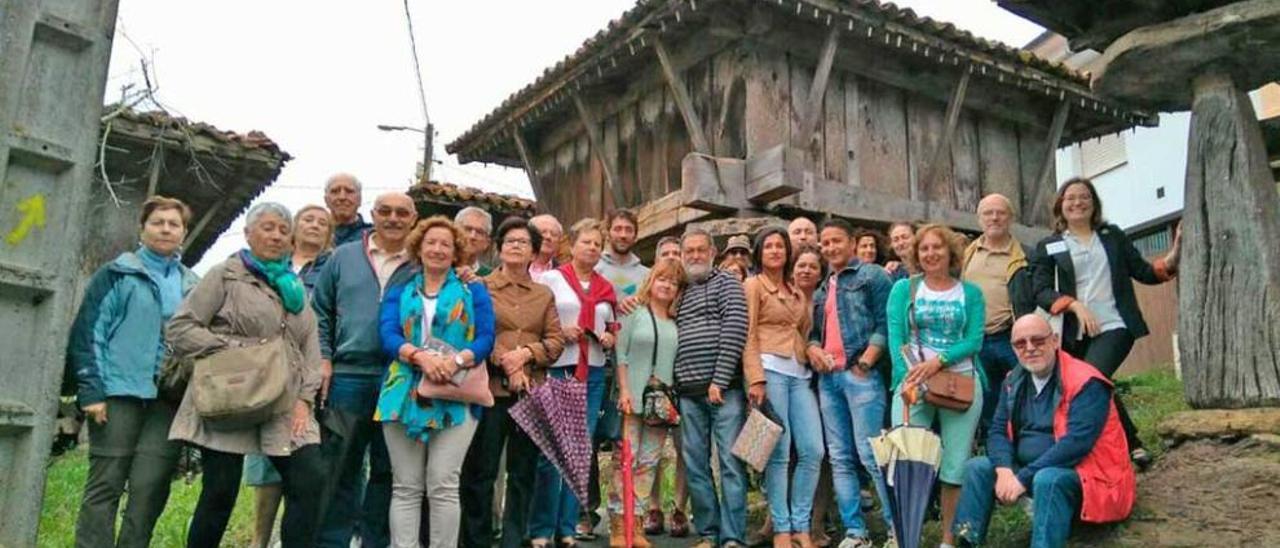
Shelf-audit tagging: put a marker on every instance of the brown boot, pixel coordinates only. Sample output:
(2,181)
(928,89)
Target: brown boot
(639,540)
(617,532)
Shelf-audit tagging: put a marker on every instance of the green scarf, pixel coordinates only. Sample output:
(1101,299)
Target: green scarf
(280,276)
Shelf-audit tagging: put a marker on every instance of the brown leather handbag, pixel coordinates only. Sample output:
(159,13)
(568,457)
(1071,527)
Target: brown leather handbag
(944,389)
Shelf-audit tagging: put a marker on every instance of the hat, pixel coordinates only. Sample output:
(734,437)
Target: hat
(740,241)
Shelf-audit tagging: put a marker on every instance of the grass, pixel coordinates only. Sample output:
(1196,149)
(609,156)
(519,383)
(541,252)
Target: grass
(65,483)
(1149,397)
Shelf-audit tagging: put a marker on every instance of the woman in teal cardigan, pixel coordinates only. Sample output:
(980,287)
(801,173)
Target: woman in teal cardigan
(948,315)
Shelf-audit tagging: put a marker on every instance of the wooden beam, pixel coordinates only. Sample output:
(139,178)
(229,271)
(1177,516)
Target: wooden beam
(153,178)
(203,222)
(539,195)
(665,214)
(680,93)
(1045,179)
(813,107)
(767,174)
(597,146)
(954,106)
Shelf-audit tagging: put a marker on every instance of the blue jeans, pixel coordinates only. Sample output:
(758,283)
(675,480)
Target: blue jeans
(555,508)
(795,403)
(359,394)
(852,413)
(721,518)
(998,360)
(1055,493)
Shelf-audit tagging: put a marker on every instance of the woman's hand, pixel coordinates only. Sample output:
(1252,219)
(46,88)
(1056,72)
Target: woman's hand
(1088,321)
(926,369)
(1175,251)
(518,382)
(514,361)
(97,412)
(892,266)
(818,359)
(756,394)
(301,418)
(607,340)
(625,404)
(571,331)
(468,359)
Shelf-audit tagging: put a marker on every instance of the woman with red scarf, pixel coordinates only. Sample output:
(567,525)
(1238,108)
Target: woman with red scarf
(585,302)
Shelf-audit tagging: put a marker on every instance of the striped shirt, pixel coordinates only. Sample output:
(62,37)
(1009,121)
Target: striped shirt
(712,318)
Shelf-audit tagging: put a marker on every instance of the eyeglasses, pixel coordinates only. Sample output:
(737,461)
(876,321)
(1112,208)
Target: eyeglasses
(474,231)
(399,213)
(522,242)
(1029,343)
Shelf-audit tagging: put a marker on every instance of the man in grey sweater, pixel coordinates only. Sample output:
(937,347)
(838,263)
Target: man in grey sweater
(712,319)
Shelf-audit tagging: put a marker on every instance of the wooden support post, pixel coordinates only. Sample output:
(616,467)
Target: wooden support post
(937,161)
(203,222)
(597,146)
(1035,198)
(813,107)
(153,178)
(530,171)
(681,95)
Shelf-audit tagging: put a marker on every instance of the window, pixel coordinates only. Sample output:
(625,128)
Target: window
(1155,243)
(1159,193)
(1098,156)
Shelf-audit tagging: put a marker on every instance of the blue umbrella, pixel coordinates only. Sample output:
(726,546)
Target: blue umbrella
(908,457)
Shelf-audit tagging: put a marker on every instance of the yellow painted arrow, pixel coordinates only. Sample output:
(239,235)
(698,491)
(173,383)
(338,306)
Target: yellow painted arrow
(32,210)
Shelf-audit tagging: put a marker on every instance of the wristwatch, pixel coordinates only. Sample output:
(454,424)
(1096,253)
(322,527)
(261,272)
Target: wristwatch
(458,361)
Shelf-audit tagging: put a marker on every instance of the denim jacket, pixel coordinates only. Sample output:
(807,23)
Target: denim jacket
(861,298)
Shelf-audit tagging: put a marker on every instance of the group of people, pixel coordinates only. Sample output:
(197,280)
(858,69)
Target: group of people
(825,324)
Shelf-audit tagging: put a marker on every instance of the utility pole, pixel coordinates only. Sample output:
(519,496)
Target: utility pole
(428,128)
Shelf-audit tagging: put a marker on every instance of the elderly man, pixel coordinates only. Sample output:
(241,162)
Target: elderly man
(477,224)
(552,234)
(1055,436)
(997,263)
(712,322)
(668,248)
(353,361)
(342,197)
(802,232)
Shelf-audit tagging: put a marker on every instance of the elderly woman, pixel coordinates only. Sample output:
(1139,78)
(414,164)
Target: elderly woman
(941,319)
(778,323)
(527,340)
(114,352)
(1085,272)
(250,297)
(585,302)
(427,439)
(902,237)
(312,242)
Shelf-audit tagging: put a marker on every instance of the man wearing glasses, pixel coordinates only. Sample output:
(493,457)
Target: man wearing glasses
(353,362)
(1055,437)
(477,224)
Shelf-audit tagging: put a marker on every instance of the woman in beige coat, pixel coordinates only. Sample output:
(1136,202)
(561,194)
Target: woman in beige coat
(242,301)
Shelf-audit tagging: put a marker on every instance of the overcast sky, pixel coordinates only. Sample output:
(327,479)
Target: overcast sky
(319,76)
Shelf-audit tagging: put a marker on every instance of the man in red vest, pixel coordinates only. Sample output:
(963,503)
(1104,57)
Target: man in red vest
(1055,437)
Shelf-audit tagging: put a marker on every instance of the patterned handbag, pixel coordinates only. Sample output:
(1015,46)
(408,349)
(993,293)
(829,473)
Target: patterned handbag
(659,402)
(758,437)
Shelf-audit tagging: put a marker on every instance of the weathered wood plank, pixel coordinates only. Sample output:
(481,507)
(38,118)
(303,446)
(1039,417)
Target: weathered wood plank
(941,158)
(812,112)
(680,94)
(768,86)
(998,161)
(702,177)
(967,189)
(801,82)
(1037,155)
(926,119)
(729,96)
(767,172)
(539,194)
(882,139)
(665,214)
(835,147)
(606,160)
(853,128)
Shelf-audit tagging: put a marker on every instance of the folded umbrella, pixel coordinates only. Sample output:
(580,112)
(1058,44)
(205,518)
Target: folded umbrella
(908,457)
(628,493)
(554,415)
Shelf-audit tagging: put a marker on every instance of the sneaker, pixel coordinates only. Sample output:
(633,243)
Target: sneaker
(1141,458)
(857,542)
(653,522)
(584,530)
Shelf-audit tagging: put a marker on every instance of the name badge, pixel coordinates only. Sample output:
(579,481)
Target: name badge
(1054,248)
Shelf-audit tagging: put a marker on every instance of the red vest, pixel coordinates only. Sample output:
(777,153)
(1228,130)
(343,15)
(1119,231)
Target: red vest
(1106,475)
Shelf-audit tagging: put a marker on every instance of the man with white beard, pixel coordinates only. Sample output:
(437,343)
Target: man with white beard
(712,322)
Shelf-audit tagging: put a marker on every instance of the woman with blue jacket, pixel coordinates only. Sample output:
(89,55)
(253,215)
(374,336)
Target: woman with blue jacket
(114,352)
(941,319)
(427,440)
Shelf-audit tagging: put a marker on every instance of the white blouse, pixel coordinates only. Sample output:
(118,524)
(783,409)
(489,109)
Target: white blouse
(568,306)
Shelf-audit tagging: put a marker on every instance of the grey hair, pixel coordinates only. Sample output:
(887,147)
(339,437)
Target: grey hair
(698,232)
(546,217)
(262,208)
(336,176)
(473,210)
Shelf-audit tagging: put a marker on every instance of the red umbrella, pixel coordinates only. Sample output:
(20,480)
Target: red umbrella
(628,493)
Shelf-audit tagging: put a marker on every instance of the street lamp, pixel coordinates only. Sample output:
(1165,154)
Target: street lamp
(426,153)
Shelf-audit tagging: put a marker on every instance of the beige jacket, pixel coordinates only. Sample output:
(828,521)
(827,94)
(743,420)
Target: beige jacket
(231,306)
(778,322)
(525,315)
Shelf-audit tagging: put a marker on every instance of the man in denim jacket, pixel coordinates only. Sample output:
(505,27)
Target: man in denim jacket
(847,340)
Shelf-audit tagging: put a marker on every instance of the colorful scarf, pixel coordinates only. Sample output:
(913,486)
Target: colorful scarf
(280,276)
(598,290)
(453,323)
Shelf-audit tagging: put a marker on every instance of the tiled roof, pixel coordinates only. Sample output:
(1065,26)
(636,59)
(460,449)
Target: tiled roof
(626,35)
(176,127)
(467,196)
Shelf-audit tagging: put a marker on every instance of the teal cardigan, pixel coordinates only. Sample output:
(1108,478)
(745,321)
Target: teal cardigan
(975,313)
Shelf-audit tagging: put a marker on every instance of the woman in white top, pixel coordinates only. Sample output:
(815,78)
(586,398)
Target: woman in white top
(585,302)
